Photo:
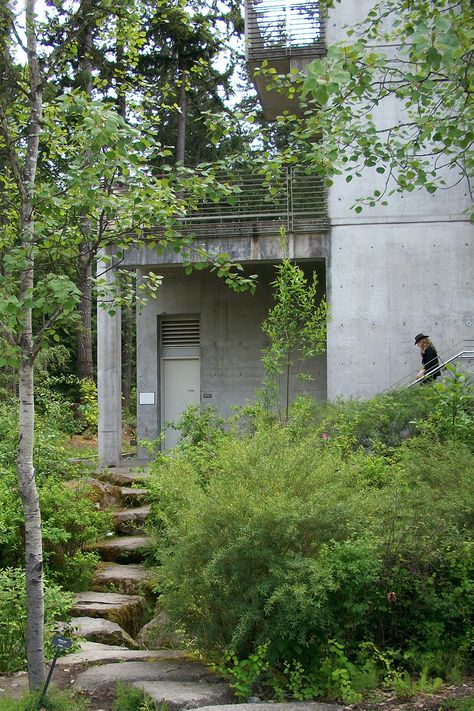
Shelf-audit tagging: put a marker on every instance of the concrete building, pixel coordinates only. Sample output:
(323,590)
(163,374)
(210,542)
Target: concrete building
(388,274)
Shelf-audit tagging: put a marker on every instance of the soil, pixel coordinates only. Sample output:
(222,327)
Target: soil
(442,700)
(103,699)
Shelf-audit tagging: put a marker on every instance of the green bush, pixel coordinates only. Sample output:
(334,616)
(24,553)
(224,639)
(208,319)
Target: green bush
(13,613)
(54,701)
(69,522)
(49,454)
(364,535)
(131,699)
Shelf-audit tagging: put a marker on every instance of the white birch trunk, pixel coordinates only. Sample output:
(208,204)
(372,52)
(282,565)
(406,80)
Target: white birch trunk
(26,472)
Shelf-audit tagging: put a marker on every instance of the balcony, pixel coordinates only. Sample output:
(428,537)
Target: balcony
(293,200)
(249,221)
(288,35)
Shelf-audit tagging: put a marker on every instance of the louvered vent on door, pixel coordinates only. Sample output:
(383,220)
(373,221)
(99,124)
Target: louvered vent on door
(180,333)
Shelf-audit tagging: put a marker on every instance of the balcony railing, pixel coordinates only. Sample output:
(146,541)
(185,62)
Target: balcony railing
(281,28)
(294,200)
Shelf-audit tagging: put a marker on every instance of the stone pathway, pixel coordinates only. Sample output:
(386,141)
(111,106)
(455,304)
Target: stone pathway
(110,617)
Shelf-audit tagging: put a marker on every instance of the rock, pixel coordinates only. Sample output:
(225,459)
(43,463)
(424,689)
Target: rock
(170,670)
(95,653)
(130,579)
(124,548)
(97,629)
(130,521)
(134,496)
(102,493)
(289,706)
(159,633)
(184,694)
(123,476)
(125,610)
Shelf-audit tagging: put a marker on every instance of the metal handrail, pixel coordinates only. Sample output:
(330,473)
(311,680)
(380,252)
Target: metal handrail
(461,354)
(286,27)
(465,346)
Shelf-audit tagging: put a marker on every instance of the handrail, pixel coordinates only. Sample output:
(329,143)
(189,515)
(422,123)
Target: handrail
(461,354)
(466,345)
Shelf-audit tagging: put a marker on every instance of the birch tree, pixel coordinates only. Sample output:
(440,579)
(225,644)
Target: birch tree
(68,159)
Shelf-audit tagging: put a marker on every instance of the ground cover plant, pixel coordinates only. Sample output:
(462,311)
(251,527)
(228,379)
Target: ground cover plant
(340,544)
(54,701)
(70,521)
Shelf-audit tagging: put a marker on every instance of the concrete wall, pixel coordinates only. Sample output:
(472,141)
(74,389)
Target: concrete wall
(231,341)
(393,271)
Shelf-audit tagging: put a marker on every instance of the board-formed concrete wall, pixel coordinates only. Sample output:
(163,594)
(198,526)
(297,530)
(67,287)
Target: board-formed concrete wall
(393,271)
(231,341)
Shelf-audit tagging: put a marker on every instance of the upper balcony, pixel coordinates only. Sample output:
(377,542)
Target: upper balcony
(288,34)
(249,221)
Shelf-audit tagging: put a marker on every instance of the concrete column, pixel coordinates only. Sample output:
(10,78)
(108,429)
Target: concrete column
(109,372)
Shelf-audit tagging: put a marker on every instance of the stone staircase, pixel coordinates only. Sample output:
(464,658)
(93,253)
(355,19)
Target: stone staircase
(111,615)
(110,618)
(117,597)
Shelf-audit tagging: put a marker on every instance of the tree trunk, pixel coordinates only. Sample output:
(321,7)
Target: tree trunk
(84,364)
(128,323)
(32,516)
(181,129)
(84,332)
(25,469)
(127,354)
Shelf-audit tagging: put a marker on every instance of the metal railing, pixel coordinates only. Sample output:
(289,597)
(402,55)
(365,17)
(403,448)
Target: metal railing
(293,200)
(463,350)
(275,28)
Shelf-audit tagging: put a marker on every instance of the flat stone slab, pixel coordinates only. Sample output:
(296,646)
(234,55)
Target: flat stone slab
(263,706)
(162,670)
(124,476)
(96,653)
(133,496)
(184,695)
(125,610)
(130,521)
(97,629)
(129,579)
(122,548)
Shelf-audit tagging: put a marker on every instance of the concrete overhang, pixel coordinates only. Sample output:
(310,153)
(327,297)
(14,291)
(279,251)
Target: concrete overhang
(275,102)
(242,249)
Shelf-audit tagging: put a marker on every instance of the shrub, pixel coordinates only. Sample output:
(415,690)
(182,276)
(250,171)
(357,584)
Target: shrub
(297,539)
(132,699)
(13,612)
(69,522)
(55,701)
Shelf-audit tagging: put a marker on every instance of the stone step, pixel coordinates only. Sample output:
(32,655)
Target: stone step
(134,497)
(123,476)
(159,632)
(97,629)
(129,549)
(184,694)
(95,653)
(287,706)
(132,579)
(102,493)
(130,521)
(156,670)
(125,610)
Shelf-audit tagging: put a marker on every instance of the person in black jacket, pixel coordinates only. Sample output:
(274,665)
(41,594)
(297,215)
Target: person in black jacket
(429,357)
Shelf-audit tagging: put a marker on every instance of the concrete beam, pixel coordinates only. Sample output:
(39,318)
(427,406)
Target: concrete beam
(245,248)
